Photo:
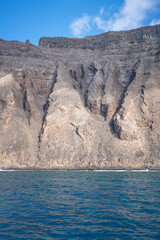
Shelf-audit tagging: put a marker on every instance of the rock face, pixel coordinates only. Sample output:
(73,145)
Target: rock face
(81,103)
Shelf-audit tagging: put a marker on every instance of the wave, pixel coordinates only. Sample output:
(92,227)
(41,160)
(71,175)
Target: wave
(82,170)
(8,170)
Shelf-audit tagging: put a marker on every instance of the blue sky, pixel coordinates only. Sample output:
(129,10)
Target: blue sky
(32,19)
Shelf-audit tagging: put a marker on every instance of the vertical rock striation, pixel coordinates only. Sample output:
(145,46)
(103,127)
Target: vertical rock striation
(81,103)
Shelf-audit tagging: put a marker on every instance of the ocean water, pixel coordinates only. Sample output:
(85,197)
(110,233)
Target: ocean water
(79,205)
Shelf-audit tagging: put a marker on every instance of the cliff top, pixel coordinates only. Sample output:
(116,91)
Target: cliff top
(102,40)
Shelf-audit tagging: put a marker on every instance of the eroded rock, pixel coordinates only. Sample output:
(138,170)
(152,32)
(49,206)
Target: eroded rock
(81,103)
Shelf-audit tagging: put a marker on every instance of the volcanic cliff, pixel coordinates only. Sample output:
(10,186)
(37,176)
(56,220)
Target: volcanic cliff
(81,103)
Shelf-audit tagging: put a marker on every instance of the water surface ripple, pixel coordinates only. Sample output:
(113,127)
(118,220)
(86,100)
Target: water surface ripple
(79,205)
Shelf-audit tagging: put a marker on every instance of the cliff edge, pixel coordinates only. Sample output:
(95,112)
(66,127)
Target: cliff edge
(91,103)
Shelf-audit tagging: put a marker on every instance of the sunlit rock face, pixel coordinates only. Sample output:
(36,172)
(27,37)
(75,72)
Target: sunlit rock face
(81,103)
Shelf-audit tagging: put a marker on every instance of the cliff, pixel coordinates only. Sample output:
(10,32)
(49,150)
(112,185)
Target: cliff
(81,103)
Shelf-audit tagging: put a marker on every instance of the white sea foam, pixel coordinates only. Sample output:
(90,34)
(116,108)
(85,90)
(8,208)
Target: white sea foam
(7,170)
(124,170)
(81,170)
(142,170)
(98,170)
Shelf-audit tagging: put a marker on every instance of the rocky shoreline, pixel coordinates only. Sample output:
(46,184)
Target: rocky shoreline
(143,169)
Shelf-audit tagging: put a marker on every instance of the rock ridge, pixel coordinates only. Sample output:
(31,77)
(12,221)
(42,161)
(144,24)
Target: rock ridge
(103,40)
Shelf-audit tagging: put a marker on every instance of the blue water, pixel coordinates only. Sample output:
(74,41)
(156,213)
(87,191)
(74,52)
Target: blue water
(79,205)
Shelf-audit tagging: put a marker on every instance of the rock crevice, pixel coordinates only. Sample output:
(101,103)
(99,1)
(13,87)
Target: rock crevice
(91,103)
(45,109)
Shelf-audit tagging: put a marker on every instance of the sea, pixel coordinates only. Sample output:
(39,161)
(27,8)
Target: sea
(79,205)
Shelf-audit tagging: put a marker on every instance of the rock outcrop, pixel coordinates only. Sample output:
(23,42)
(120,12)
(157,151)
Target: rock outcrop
(81,103)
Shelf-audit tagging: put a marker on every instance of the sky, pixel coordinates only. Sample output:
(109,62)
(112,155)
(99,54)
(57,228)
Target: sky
(31,19)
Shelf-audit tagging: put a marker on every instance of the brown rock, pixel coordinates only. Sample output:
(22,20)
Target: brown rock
(81,103)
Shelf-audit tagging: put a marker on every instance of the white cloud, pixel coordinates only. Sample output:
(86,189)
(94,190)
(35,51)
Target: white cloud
(131,15)
(101,24)
(101,11)
(80,26)
(155,22)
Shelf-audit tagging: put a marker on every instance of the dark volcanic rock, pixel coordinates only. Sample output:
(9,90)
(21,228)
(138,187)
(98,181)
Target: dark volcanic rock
(81,103)
(104,40)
